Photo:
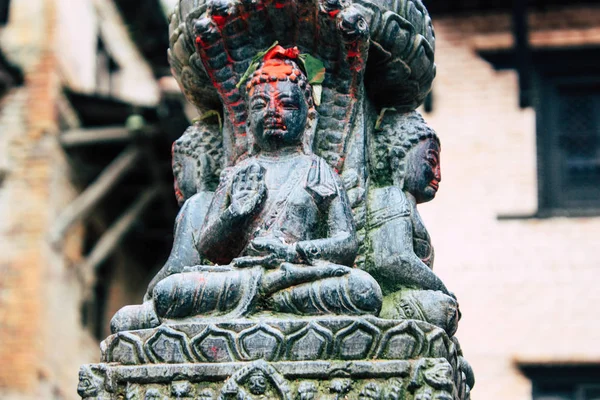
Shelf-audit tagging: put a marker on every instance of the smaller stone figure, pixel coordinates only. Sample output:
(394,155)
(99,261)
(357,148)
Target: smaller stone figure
(197,165)
(404,172)
(197,158)
(91,382)
(182,390)
(307,391)
(155,394)
(257,383)
(340,388)
(371,391)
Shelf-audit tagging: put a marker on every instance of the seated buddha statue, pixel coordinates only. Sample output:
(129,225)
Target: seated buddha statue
(404,172)
(279,231)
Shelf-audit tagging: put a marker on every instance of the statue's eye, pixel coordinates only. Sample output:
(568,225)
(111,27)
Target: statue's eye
(289,105)
(259,104)
(432,158)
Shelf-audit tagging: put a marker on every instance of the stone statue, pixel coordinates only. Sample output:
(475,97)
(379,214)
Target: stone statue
(301,268)
(267,219)
(405,171)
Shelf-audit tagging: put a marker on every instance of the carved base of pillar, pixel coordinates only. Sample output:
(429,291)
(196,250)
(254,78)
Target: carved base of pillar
(287,359)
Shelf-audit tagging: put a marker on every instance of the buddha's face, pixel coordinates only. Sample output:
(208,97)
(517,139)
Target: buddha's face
(278,115)
(423,173)
(184,172)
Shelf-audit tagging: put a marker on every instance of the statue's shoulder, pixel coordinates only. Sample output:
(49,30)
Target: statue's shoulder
(386,203)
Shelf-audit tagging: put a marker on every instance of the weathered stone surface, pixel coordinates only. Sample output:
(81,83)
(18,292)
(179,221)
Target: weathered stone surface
(414,379)
(261,297)
(281,339)
(281,358)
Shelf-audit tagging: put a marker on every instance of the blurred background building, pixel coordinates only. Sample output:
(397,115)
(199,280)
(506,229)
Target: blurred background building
(88,113)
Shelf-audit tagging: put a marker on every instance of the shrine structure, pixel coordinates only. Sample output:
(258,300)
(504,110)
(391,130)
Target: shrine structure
(301,268)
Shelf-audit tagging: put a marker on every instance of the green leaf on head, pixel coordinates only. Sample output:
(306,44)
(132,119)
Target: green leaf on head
(315,73)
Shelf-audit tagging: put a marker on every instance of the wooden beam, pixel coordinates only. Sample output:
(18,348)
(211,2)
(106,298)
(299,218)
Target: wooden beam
(83,137)
(91,196)
(520,28)
(111,239)
(92,136)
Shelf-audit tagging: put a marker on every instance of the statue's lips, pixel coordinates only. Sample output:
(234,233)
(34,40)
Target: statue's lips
(274,125)
(435,185)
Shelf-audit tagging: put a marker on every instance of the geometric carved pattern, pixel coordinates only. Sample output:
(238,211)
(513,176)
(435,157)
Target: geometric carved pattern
(357,341)
(215,345)
(126,349)
(261,342)
(294,339)
(402,342)
(258,378)
(439,345)
(313,342)
(168,346)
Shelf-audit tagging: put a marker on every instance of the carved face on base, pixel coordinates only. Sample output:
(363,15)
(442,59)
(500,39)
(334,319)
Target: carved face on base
(278,115)
(423,173)
(257,383)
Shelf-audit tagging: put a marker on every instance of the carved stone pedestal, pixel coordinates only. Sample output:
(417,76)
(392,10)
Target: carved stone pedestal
(300,358)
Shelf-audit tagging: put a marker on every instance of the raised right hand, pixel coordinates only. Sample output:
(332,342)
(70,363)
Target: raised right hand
(248,191)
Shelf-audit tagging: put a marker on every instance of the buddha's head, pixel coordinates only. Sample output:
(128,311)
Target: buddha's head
(281,109)
(406,153)
(196,161)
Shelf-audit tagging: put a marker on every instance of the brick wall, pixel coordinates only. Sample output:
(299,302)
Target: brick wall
(42,340)
(29,117)
(527,288)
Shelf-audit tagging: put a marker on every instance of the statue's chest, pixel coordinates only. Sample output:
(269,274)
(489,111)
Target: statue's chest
(421,239)
(293,212)
(297,217)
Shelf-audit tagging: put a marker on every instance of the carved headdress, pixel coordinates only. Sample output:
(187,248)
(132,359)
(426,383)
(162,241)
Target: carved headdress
(213,42)
(280,64)
(202,143)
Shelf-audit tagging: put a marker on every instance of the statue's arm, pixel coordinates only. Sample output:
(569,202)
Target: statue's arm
(184,253)
(237,200)
(340,246)
(395,264)
(218,224)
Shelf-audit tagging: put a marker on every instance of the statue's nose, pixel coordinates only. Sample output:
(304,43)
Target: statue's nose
(273,108)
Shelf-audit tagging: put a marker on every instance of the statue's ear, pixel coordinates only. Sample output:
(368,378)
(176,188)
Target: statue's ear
(399,169)
(310,131)
(251,140)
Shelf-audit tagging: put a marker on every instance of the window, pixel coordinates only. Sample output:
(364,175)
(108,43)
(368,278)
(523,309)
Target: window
(569,143)
(560,382)
(567,105)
